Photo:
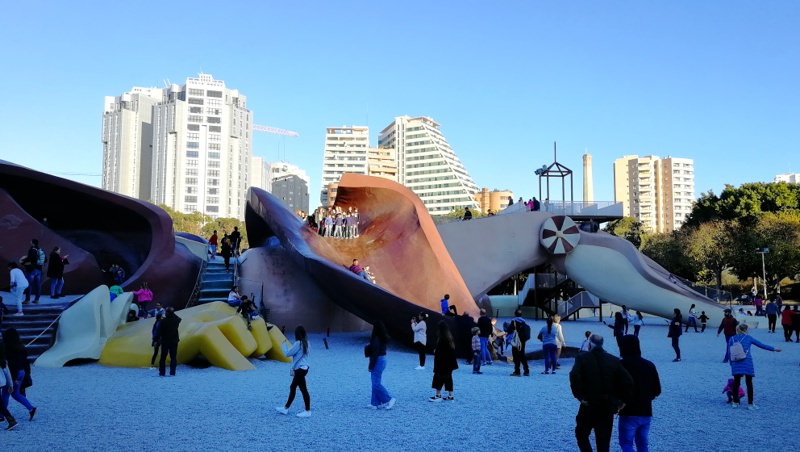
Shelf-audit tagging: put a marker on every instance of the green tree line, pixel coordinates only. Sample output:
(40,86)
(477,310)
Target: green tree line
(204,225)
(722,233)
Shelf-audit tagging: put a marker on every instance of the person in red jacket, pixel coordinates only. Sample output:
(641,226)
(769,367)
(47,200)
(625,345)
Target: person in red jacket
(728,326)
(786,323)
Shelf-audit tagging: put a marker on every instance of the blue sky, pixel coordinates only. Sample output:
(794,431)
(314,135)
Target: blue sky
(716,81)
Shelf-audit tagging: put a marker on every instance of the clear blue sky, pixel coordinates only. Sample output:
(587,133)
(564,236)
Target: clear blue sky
(716,81)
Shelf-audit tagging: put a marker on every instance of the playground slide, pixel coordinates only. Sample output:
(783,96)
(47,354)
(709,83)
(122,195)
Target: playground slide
(614,270)
(85,327)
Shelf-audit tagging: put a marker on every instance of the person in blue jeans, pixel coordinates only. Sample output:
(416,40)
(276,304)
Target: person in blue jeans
(20,370)
(549,337)
(486,329)
(34,263)
(377,364)
(635,418)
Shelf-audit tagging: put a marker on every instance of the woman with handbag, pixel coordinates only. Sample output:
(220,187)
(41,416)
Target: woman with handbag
(299,370)
(744,367)
(376,352)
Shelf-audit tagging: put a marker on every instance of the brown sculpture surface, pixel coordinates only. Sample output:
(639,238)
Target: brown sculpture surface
(96,228)
(398,240)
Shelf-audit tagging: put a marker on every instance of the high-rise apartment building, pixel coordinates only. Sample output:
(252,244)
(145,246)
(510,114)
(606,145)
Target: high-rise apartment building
(427,165)
(293,191)
(127,138)
(657,192)
(190,146)
(345,152)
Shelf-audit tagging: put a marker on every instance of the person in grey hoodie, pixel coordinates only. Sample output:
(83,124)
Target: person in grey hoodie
(299,370)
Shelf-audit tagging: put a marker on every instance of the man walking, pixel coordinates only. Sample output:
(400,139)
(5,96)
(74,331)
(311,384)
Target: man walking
(636,416)
(602,386)
(168,338)
(34,262)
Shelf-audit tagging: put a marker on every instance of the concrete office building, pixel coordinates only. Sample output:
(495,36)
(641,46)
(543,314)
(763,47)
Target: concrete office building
(189,146)
(293,191)
(657,192)
(427,165)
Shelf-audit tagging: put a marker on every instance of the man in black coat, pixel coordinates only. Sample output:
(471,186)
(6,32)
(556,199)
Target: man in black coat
(603,387)
(486,329)
(168,338)
(635,417)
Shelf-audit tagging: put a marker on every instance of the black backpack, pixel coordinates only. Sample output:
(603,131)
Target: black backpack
(524,331)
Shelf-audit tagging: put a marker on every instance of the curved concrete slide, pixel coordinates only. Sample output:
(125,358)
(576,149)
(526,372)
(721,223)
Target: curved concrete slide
(85,327)
(489,250)
(614,270)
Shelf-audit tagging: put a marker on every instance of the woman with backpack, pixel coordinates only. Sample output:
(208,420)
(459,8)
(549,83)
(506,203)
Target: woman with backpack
(743,366)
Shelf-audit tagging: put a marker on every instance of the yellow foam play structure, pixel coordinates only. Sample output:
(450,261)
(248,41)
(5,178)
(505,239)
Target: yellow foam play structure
(213,330)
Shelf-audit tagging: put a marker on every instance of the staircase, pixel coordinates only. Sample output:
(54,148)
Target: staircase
(37,321)
(215,283)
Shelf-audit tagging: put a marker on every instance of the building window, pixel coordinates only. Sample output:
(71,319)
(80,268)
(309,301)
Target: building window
(213,155)
(195,101)
(213,120)
(213,173)
(214,209)
(193,127)
(213,191)
(195,118)
(191,171)
(192,136)
(214,102)
(216,129)
(191,181)
(214,147)
(195,109)
(190,199)
(192,154)
(214,137)
(193,145)
(213,200)
(195,92)
(217,94)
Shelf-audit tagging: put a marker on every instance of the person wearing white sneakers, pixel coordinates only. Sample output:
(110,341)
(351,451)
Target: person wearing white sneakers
(420,329)
(744,366)
(299,370)
(18,284)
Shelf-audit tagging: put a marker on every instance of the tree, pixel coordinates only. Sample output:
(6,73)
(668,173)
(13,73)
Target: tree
(709,247)
(204,225)
(629,229)
(780,232)
(667,250)
(746,203)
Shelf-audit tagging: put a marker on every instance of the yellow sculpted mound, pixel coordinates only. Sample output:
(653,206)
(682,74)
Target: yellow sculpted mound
(213,330)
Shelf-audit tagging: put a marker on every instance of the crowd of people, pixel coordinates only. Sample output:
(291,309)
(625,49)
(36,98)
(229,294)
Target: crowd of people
(335,222)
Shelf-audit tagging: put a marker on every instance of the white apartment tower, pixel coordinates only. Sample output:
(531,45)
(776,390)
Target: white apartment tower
(346,150)
(202,141)
(127,138)
(427,165)
(187,147)
(657,192)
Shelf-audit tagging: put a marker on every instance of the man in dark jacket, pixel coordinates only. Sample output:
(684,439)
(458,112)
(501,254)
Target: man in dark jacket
(168,338)
(603,387)
(486,329)
(635,417)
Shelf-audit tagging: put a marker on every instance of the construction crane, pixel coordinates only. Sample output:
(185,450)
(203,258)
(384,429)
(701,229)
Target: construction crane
(274,131)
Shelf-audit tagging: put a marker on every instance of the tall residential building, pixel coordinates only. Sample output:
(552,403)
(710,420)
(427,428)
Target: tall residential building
(657,192)
(202,141)
(127,138)
(792,178)
(345,152)
(427,165)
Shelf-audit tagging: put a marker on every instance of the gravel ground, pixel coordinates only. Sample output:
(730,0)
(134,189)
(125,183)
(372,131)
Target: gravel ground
(92,407)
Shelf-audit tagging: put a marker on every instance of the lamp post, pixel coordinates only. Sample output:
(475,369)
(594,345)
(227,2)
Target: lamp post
(762,252)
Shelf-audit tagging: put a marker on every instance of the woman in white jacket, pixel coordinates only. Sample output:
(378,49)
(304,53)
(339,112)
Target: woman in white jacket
(420,329)
(299,354)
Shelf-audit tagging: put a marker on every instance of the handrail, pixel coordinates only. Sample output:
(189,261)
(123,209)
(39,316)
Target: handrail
(196,291)
(44,330)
